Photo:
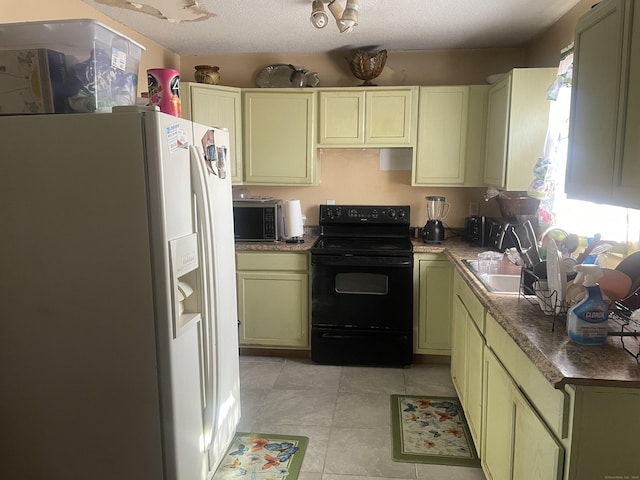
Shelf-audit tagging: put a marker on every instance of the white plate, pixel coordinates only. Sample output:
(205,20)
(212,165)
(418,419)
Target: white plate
(556,275)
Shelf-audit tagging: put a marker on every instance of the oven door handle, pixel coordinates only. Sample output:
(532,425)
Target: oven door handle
(337,336)
(355,260)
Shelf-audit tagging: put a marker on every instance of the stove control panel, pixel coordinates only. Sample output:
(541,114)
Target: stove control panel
(359,214)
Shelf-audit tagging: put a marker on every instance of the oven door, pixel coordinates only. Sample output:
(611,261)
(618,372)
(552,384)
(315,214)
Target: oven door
(367,292)
(362,311)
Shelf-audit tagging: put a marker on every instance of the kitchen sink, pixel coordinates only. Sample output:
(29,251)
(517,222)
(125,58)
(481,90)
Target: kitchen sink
(503,283)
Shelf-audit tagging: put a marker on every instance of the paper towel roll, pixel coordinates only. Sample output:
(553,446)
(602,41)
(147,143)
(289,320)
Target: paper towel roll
(293,224)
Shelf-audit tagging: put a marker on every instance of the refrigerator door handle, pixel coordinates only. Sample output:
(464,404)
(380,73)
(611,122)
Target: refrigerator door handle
(205,229)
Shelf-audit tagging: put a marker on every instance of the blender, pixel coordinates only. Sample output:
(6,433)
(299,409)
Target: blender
(437,209)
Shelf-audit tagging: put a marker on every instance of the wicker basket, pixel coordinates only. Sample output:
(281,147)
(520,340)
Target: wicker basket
(367,66)
(517,203)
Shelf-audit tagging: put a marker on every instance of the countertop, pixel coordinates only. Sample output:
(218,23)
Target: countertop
(278,246)
(558,359)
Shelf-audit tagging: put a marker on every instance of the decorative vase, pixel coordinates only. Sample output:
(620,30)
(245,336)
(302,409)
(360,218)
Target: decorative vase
(209,74)
(367,66)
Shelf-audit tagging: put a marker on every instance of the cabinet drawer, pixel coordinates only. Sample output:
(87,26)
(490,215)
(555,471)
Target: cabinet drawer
(550,403)
(272,261)
(471,302)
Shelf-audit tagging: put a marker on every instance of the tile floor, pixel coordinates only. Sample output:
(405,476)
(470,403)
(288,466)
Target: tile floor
(344,411)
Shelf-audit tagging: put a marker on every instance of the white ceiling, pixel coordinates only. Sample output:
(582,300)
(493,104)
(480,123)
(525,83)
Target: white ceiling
(209,27)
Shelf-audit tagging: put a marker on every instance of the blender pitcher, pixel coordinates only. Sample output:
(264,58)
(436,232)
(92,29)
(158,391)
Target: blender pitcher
(437,210)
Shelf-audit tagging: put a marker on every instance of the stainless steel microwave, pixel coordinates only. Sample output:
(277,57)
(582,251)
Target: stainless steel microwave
(257,220)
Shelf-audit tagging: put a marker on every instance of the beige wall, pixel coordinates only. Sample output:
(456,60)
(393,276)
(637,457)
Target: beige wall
(545,50)
(37,10)
(348,175)
(418,67)
(353,176)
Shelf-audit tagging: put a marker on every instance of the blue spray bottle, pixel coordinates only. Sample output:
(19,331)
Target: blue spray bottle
(588,320)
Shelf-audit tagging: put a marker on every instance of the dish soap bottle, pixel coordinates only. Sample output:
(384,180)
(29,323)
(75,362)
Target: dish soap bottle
(588,320)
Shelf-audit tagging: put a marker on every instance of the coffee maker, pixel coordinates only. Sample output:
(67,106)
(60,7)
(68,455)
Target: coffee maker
(437,209)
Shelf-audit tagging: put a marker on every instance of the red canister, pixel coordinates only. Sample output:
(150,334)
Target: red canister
(164,90)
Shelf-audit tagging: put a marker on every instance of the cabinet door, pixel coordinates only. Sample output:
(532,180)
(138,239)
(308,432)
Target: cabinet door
(593,133)
(497,429)
(279,133)
(442,135)
(435,287)
(498,106)
(517,123)
(473,408)
(627,189)
(528,123)
(536,453)
(341,118)
(273,308)
(476,133)
(517,445)
(390,117)
(217,107)
(459,349)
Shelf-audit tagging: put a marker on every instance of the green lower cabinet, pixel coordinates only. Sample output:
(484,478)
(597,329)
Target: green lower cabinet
(523,426)
(433,286)
(536,453)
(459,321)
(273,299)
(497,441)
(604,433)
(473,399)
(467,350)
(517,445)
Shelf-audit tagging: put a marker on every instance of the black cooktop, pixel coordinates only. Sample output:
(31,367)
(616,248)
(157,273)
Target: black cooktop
(363,246)
(364,230)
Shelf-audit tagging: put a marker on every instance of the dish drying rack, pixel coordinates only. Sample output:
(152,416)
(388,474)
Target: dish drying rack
(621,323)
(548,300)
(626,327)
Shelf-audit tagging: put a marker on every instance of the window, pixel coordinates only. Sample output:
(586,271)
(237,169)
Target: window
(579,217)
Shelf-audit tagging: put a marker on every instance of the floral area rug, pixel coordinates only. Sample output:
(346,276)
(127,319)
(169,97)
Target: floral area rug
(430,429)
(260,456)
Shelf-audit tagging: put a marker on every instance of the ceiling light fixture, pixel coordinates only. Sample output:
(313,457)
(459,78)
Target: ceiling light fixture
(319,18)
(346,17)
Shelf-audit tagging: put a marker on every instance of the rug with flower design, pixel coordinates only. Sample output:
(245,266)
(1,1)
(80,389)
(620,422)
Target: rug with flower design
(430,429)
(263,456)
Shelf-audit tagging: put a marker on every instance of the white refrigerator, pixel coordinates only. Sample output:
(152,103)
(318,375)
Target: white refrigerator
(118,323)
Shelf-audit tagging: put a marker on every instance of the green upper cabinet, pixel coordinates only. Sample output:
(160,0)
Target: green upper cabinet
(450,140)
(375,117)
(476,136)
(341,118)
(442,135)
(218,107)
(517,120)
(604,147)
(279,136)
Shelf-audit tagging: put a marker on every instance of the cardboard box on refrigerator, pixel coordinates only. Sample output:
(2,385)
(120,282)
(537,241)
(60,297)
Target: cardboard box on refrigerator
(32,81)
